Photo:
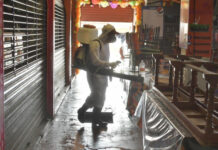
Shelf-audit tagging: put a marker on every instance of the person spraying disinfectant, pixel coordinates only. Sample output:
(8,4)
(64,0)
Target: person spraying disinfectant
(98,56)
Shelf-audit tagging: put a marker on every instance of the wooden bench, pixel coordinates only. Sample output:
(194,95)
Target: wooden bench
(197,111)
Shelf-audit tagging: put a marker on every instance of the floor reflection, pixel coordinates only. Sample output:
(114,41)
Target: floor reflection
(65,132)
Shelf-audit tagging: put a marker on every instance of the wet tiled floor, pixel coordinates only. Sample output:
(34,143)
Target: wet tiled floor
(65,132)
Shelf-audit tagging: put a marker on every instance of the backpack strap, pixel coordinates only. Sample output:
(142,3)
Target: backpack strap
(92,68)
(98,42)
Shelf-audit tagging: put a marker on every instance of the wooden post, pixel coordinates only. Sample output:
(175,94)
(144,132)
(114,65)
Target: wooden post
(182,58)
(171,76)
(206,94)
(157,58)
(68,10)
(177,68)
(212,79)
(2,135)
(181,77)
(175,85)
(50,57)
(210,108)
(193,85)
(211,67)
(157,65)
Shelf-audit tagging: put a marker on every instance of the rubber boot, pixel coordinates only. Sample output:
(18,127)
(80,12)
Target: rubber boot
(81,112)
(96,122)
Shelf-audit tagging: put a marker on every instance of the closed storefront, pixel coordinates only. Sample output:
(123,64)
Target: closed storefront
(24,70)
(59,54)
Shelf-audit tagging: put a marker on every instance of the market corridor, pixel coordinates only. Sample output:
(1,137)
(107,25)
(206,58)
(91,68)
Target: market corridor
(65,132)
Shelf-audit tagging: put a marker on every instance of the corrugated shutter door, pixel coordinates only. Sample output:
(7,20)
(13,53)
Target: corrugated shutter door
(107,14)
(59,61)
(24,67)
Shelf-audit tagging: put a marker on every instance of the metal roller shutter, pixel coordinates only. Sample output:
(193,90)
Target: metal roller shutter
(24,67)
(107,14)
(59,60)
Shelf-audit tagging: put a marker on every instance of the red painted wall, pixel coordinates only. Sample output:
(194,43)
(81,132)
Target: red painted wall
(1,80)
(107,14)
(68,10)
(201,42)
(50,57)
(75,18)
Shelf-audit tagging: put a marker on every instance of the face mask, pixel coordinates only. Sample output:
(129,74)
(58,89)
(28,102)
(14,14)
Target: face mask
(111,38)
